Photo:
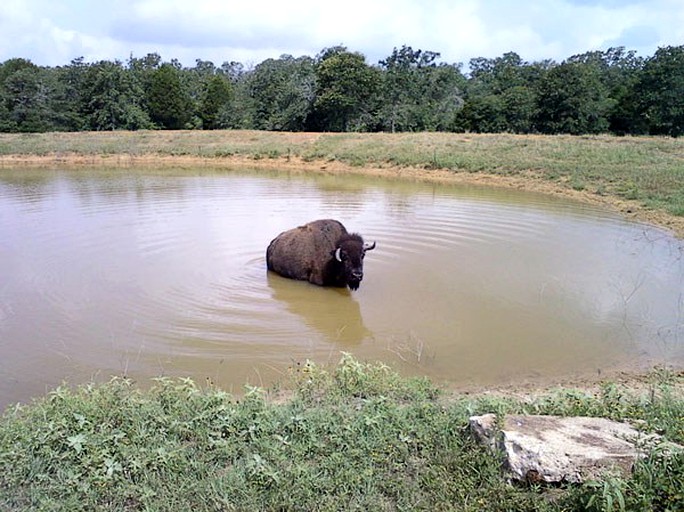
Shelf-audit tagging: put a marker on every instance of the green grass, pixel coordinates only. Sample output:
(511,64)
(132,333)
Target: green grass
(649,170)
(352,437)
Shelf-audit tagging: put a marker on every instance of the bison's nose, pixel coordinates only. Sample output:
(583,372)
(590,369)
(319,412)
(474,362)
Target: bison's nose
(357,275)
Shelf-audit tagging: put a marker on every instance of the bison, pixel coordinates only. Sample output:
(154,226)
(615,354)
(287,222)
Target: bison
(321,252)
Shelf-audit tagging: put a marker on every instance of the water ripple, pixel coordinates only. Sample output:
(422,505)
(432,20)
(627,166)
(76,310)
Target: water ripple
(144,273)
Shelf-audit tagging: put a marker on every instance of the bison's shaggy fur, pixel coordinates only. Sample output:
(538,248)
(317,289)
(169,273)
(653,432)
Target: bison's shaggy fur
(321,252)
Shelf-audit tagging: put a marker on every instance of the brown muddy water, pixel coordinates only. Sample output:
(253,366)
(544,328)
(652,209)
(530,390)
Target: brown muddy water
(149,273)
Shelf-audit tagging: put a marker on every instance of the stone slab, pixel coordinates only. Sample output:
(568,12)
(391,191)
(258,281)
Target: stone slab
(556,449)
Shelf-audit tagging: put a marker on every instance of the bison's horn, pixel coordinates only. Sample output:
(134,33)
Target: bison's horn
(369,247)
(338,254)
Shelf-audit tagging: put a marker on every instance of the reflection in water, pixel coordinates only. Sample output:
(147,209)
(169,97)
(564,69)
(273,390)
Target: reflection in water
(163,272)
(331,311)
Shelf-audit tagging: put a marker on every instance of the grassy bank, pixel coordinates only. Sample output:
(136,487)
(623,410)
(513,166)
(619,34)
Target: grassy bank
(639,172)
(352,437)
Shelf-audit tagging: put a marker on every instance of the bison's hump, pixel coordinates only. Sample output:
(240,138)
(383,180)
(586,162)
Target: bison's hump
(325,226)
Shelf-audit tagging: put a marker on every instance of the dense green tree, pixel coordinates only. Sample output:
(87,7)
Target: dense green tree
(345,88)
(113,98)
(168,102)
(238,113)
(572,99)
(205,69)
(215,100)
(484,114)
(501,94)
(442,97)
(618,71)
(13,100)
(139,71)
(416,93)
(33,99)
(496,75)
(597,91)
(71,79)
(26,97)
(614,66)
(149,62)
(401,87)
(6,123)
(234,71)
(282,92)
(656,101)
(519,107)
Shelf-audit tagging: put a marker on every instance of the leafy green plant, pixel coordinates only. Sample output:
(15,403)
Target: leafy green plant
(353,436)
(605,496)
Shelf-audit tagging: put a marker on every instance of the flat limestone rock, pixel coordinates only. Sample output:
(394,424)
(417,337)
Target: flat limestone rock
(563,449)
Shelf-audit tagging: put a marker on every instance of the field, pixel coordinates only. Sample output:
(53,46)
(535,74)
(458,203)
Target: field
(643,177)
(354,436)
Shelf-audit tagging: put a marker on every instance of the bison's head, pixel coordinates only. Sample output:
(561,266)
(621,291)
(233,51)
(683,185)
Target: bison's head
(350,251)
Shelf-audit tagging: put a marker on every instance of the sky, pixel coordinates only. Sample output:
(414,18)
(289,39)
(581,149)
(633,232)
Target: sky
(54,32)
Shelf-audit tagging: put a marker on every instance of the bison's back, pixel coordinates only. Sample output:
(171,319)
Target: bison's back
(304,252)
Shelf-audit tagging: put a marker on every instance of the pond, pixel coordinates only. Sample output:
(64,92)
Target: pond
(162,272)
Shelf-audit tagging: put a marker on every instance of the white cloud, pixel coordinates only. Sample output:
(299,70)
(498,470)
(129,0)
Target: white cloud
(53,33)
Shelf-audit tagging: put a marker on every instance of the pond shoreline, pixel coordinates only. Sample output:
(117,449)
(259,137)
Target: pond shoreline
(630,376)
(528,181)
(352,436)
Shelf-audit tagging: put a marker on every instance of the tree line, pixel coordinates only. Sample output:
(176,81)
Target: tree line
(612,91)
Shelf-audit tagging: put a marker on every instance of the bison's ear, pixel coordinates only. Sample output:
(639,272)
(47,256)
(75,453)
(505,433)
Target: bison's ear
(368,247)
(338,254)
